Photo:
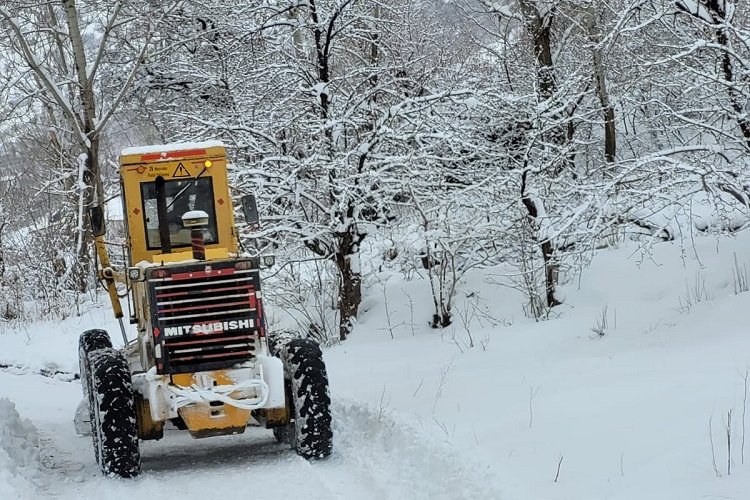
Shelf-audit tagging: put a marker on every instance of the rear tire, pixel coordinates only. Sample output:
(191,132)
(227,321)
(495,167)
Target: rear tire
(309,431)
(113,423)
(281,435)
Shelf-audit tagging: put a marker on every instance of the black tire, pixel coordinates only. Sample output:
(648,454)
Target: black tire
(309,431)
(281,434)
(89,341)
(279,338)
(113,423)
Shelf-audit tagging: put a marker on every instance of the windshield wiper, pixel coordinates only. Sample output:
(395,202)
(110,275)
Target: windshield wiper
(182,191)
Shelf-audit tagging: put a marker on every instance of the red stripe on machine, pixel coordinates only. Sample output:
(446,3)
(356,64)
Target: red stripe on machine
(173,154)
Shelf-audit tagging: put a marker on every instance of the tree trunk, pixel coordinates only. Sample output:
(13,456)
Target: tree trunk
(2,259)
(91,177)
(551,265)
(91,196)
(347,241)
(350,282)
(608,112)
(735,100)
(539,26)
(551,273)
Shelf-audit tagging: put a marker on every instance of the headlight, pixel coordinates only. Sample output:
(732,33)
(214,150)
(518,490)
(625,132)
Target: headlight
(135,273)
(268,260)
(243,265)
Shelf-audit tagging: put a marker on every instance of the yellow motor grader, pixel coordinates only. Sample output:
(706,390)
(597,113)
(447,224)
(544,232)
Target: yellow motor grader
(202,359)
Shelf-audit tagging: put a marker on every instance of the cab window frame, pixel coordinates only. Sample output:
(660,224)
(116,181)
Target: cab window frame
(204,184)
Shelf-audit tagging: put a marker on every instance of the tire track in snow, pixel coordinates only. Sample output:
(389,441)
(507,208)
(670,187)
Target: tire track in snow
(181,467)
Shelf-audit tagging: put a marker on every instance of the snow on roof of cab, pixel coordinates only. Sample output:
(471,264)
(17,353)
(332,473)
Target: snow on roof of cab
(175,146)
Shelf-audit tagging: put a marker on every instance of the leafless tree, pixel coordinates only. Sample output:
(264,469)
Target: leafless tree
(57,52)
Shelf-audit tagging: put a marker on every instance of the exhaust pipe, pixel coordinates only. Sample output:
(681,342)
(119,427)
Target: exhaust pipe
(196,221)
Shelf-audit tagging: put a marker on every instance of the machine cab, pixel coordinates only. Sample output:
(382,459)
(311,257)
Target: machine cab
(162,183)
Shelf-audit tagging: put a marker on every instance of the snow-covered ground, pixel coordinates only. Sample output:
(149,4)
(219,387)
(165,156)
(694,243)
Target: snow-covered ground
(634,406)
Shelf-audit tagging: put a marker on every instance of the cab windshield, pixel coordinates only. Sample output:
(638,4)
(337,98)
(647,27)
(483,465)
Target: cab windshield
(182,195)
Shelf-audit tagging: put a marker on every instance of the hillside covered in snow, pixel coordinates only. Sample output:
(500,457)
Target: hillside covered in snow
(636,388)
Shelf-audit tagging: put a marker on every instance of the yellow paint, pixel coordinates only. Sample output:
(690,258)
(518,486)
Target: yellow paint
(211,254)
(147,428)
(101,250)
(221,377)
(203,419)
(134,171)
(272,417)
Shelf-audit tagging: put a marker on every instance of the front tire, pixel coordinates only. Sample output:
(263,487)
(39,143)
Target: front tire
(113,423)
(90,341)
(309,430)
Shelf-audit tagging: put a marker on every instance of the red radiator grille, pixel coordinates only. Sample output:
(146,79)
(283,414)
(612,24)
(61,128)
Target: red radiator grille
(198,298)
(206,318)
(236,348)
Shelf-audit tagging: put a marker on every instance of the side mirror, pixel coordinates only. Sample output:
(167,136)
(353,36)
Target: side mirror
(96,219)
(250,208)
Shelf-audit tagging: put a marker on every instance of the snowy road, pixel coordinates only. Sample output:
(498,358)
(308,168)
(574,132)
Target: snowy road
(374,458)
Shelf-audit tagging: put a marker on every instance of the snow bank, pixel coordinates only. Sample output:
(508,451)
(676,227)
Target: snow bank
(19,455)
(50,347)
(403,461)
(612,397)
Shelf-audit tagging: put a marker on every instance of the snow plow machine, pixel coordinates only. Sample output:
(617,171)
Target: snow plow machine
(202,360)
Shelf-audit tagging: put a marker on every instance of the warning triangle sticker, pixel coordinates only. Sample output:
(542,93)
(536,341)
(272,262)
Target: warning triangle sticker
(181,171)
